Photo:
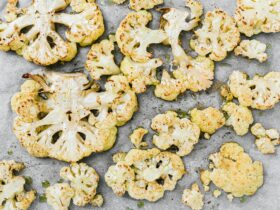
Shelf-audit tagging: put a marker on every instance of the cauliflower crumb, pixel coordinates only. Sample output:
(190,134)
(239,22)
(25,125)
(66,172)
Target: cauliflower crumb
(217,193)
(239,117)
(145,174)
(120,156)
(234,171)
(136,137)
(97,201)
(225,92)
(252,49)
(12,194)
(193,197)
(175,132)
(144,4)
(218,36)
(254,17)
(230,197)
(266,140)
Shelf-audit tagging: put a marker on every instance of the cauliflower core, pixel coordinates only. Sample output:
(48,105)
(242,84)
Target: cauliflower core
(252,49)
(233,171)
(137,136)
(239,117)
(175,132)
(256,16)
(217,36)
(266,140)
(133,37)
(193,198)
(12,193)
(66,117)
(100,60)
(145,174)
(261,92)
(31,31)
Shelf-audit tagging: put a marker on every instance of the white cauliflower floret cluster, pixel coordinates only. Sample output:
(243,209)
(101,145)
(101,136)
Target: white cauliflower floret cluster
(145,174)
(140,75)
(256,16)
(261,92)
(233,171)
(253,49)
(42,44)
(12,193)
(66,117)
(218,36)
(133,37)
(141,4)
(266,140)
(239,117)
(100,59)
(193,198)
(136,138)
(173,131)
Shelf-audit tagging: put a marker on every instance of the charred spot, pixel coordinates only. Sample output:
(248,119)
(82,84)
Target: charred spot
(56,136)
(159,164)
(160,181)
(173,148)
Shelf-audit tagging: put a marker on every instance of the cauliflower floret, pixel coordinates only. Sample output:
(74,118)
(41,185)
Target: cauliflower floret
(12,193)
(256,16)
(137,136)
(193,198)
(217,193)
(217,36)
(253,49)
(71,119)
(259,93)
(173,131)
(233,171)
(97,201)
(59,196)
(266,140)
(144,4)
(239,117)
(209,120)
(145,174)
(100,60)
(140,75)
(133,37)
(42,44)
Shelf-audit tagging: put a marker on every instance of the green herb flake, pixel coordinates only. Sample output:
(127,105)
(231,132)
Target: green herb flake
(128,208)
(45,184)
(60,181)
(28,180)
(42,198)
(10,152)
(268,46)
(243,199)
(140,204)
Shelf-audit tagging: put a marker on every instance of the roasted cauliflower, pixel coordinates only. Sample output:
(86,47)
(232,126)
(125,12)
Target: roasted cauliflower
(136,138)
(41,44)
(133,37)
(233,171)
(261,92)
(239,117)
(266,140)
(66,117)
(173,131)
(256,16)
(140,75)
(144,4)
(145,174)
(100,60)
(218,36)
(193,198)
(12,193)
(253,49)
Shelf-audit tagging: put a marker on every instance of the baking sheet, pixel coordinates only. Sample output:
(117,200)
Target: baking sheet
(267,197)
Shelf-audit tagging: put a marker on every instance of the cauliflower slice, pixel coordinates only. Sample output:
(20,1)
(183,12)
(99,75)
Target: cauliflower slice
(42,44)
(266,140)
(218,36)
(140,75)
(233,171)
(173,131)
(137,136)
(253,49)
(193,198)
(144,4)
(239,117)
(100,60)
(145,174)
(70,118)
(12,193)
(256,16)
(133,37)
(261,92)
(59,196)
(209,120)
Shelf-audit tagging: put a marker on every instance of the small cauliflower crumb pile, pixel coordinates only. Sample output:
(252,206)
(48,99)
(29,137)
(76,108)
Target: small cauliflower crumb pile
(193,198)
(266,140)
(233,170)
(253,49)
(12,193)
(137,136)
(145,174)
